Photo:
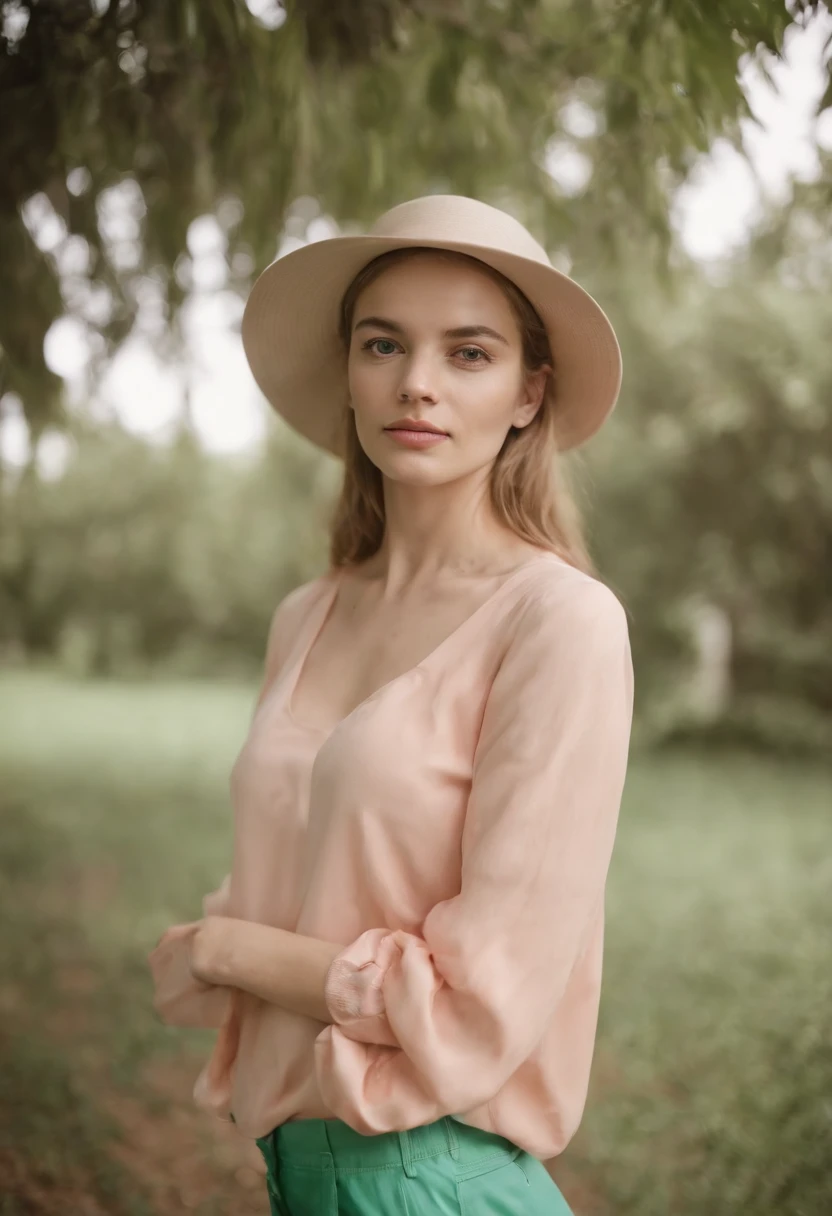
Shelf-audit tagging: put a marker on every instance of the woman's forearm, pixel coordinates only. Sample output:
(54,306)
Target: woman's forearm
(283,968)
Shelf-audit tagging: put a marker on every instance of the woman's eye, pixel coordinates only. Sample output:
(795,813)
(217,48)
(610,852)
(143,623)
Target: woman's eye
(472,354)
(382,346)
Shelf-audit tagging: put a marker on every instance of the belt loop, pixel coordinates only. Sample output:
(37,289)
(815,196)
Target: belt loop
(406,1150)
(268,1147)
(453,1143)
(329,1187)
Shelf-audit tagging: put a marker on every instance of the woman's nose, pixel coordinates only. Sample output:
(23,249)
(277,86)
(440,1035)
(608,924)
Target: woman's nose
(417,388)
(417,382)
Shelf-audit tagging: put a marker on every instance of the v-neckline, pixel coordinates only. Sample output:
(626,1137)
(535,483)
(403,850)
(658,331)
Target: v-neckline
(320,619)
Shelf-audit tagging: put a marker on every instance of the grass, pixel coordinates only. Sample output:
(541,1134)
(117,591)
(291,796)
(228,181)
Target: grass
(712,1085)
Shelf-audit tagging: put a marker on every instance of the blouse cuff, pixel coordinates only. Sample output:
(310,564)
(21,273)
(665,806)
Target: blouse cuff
(353,987)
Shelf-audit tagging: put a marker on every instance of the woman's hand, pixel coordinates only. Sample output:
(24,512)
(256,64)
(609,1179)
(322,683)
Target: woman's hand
(207,945)
(177,963)
(210,950)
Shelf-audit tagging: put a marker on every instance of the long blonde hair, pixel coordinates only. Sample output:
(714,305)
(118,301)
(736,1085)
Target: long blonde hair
(528,490)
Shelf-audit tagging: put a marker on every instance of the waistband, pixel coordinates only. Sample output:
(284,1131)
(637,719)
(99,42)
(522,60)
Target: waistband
(302,1141)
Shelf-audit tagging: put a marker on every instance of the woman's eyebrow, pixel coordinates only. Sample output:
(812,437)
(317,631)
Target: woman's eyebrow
(475,331)
(379,323)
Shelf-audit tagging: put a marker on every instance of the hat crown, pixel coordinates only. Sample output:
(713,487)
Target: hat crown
(454,217)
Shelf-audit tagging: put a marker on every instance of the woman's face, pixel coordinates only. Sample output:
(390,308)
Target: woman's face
(436,341)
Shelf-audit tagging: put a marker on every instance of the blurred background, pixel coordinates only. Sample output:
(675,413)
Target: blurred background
(675,158)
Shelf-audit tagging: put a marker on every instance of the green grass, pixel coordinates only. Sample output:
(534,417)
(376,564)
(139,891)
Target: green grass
(716,999)
(115,821)
(711,1093)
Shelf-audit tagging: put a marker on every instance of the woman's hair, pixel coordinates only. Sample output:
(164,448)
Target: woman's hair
(528,491)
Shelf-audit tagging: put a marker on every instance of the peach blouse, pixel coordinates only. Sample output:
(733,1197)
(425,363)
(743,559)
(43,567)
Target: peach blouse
(453,834)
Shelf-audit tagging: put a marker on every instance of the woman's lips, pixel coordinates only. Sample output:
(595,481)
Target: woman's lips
(415,439)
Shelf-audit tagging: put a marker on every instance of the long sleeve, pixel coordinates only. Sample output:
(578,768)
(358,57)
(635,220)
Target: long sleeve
(179,998)
(433,1024)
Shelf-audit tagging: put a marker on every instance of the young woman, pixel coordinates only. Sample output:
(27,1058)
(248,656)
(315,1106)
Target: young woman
(404,963)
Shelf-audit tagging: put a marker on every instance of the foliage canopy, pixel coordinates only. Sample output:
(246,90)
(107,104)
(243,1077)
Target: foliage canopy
(354,103)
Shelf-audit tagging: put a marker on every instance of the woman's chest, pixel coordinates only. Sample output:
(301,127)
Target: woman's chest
(365,820)
(400,764)
(354,654)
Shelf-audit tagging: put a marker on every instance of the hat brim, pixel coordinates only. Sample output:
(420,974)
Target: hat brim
(291,339)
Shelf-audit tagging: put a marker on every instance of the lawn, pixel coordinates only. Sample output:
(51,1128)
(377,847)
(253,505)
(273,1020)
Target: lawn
(711,1092)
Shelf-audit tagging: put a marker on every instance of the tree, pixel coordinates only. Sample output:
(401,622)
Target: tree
(353,104)
(714,476)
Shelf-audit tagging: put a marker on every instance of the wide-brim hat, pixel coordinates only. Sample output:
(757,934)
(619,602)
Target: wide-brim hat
(290,327)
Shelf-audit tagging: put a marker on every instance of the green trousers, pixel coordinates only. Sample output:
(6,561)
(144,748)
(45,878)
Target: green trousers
(321,1167)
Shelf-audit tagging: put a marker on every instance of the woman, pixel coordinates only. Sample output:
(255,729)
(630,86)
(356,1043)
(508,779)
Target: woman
(404,963)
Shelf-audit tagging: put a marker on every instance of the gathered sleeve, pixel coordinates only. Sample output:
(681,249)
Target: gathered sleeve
(431,1024)
(178,997)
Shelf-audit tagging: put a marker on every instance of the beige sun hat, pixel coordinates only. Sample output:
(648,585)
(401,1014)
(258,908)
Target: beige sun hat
(290,324)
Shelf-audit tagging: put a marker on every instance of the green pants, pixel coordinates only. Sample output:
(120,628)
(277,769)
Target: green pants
(321,1167)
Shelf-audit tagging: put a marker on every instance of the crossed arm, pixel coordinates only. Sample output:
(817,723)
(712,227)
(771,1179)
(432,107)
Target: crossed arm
(195,965)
